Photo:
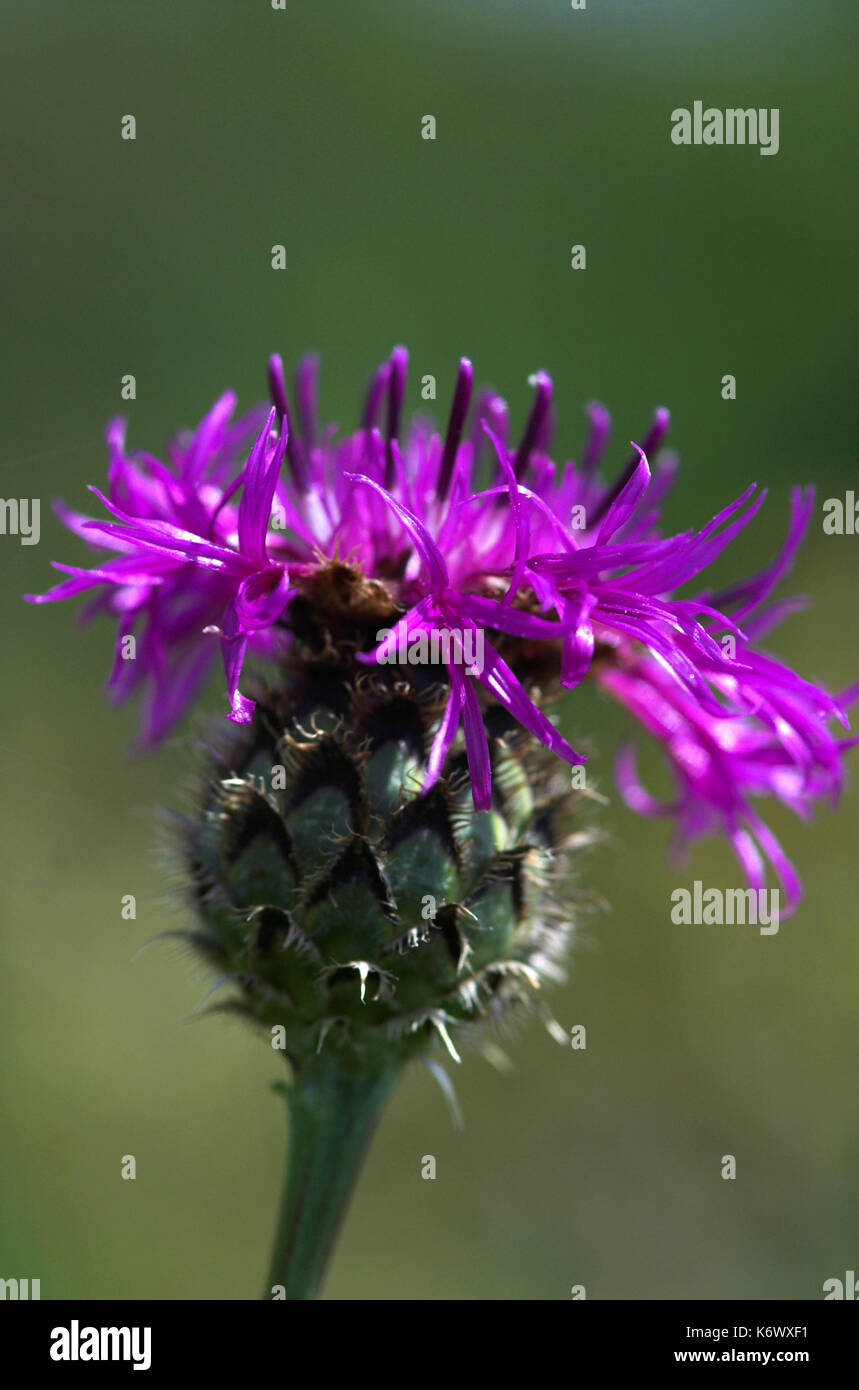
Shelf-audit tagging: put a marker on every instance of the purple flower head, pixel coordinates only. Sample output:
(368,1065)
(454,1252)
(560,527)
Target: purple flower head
(466,531)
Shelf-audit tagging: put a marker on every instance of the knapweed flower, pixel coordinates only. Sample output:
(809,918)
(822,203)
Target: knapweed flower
(380,857)
(301,537)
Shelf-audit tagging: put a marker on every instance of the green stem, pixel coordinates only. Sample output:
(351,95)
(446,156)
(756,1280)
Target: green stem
(333,1115)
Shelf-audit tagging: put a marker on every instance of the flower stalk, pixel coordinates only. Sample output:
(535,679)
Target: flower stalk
(333,1112)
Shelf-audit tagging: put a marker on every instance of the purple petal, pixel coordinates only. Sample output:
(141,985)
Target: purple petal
(258,494)
(500,680)
(626,501)
(424,544)
(444,737)
(476,742)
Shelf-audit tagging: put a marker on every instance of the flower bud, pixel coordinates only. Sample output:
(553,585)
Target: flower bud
(350,910)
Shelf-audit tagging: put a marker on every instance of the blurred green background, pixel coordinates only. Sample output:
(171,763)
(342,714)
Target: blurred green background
(257,127)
